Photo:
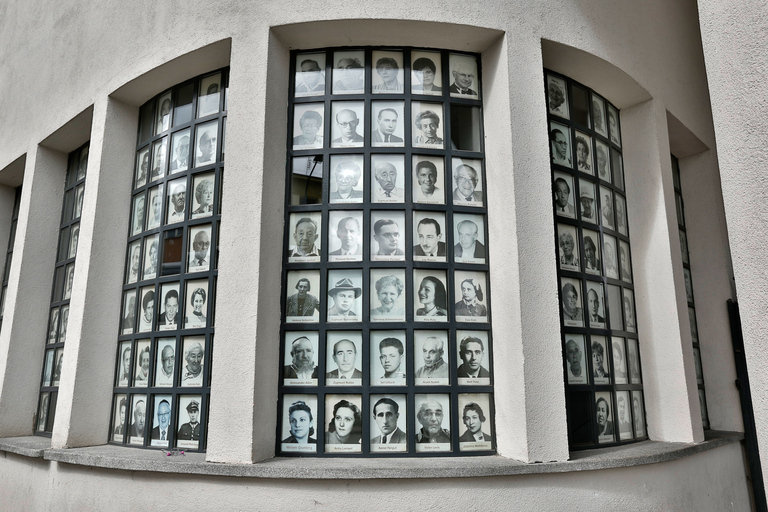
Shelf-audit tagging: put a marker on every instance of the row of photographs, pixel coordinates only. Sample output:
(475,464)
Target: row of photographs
(388,180)
(389,358)
(619,426)
(559,105)
(595,315)
(347,235)
(610,163)
(204,152)
(603,350)
(170,111)
(385,424)
(388,74)
(46,411)
(175,311)
(594,253)
(387,128)
(135,364)
(597,204)
(179,428)
(344,299)
(78,165)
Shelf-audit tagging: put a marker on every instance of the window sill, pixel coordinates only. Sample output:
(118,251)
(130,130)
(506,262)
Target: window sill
(116,457)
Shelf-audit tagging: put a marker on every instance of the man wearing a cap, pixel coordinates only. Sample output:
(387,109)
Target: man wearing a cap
(344,355)
(190,431)
(587,200)
(343,295)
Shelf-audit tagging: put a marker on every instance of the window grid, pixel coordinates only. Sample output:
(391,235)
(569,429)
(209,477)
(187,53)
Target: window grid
(9,253)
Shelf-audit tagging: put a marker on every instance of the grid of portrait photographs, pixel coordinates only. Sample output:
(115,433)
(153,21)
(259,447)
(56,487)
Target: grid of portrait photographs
(386,341)
(64,274)
(165,336)
(689,289)
(601,360)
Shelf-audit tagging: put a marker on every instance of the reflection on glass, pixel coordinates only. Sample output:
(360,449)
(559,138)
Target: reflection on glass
(465,127)
(307,180)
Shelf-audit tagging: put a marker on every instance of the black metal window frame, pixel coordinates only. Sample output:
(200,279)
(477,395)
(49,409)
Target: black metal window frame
(9,252)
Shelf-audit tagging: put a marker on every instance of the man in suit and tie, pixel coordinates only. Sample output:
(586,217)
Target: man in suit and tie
(468,246)
(344,355)
(385,189)
(384,133)
(474,418)
(139,417)
(595,320)
(429,239)
(182,155)
(160,432)
(463,76)
(347,120)
(303,365)
(386,412)
(465,178)
(472,350)
(349,234)
(302,303)
(386,232)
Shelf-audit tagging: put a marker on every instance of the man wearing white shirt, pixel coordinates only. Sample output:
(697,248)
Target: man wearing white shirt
(468,246)
(429,239)
(349,235)
(178,197)
(182,155)
(165,375)
(384,133)
(160,432)
(200,247)
(344,355)
(386,412)
(385,189)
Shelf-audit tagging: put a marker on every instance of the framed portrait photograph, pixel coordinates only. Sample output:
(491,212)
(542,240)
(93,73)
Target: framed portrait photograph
(69,277)
(348,124)
(119,417)
(159,159)
(349,72)
(48,368)
(696,364)
(346,184)
(160,434)
(180,143)
(560,141)
(176,201)
(58,362)
(303,306)
(595,305)
(124,364)
(344,431)
(625,263)
(387,299)
(683,246)
(430,300)
(196,307)
(621,214)
(387,73)
(623,414)
(388,359)
(345,235)
(426,73)
(638,412)
(387,178)
(692,322)
(134,262)
(557,97)
(299,426)
(604,424)
(601,155)
(307,180)
(79,194)
(576,364)
(388,235)
(308,125)
(688,285)
(194,361)
(206,136)
(429,236)
(467,182)
(568,247)
(188,421)
(428,182)
(388,430)
(42,412)
(619,360)
(202,200)
(168,318)
(613,125)
(598,115)
(163,113)
(165,359)
(617,163)
(629,310)
(136,431)
(470,296)
(208,98)
(606,208)
(633,358)
(428,127)
(584,157)
(469,234)
(300,358)
(615,307)
(142,168)
(431,358)
(432,423)
(563,195)
(473,358)
(477,422)
(387,124)
(151,247)
(601,363)
(74,237)
(610,259)
(592,252)
(464,76)
(154,215)
(306,237)
(199,253)
(345,295)
(573,313)
(310,74)
(587,205)
(137,216)
(141,364)
(147,312)
(128,319)
(53,325)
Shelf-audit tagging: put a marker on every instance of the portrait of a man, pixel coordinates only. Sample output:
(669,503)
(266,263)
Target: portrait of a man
(190,431)
(391,357)
(169,317)
(310,79)
(180,152)
(574,355)
(594,306)
(349,73)
(434,368)
(385,189)
(386,414)
(343,295)
(430,415)
(177,202)
(430,246)
(469,249)
(348,233)
(386,234)
(472,352)
(346,127)
(160,434)
(165,364)
(563,199)
(201,246)
(384,133)
(464,73)
(302,365)
(344,355)
(206,145)
(305,236)
(561,150)
(136,431)
(465,180)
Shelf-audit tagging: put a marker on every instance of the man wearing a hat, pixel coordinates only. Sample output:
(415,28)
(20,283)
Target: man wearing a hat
(190,431)
(587,200)
(343,295)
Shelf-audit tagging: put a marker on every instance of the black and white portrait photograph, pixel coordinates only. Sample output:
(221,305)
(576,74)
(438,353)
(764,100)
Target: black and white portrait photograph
(625,262)
(469,235)
(601,366)
(134,262)
(467,182)
(387,298)
(604,417)
(388,360)
(387,126)
(633,359)
(142,168)
(58,359)
(587,204)
(208,100)
(568,248)
(430,299)
(53,326)
(64,323)
(199,254)
(155,202)
(584,156)
(176,202)
(138,419)
(428,183)
(141,364)
(348,124)
(683,246)
(619,360)
(617,164)
(300,358)
(615,307)
(387,74)
(429,236)
(206,136)
(692,324)
(150,256)
(48,370)
(606,208)
(82,163)
(464,76)
(345,295)
(344,431)
(428,126)
(388,236)
(137,217)
(147,311)
(202,199)
(69,278)
(426,73)
(79,194)
(601,156)
(610,258)
(564,192)
(119,417)
(470,296)
(557,97)
(696,365)
(180,144)
(621,214)
(592,253)
(343,358)
(570,295)
(346,179)
(188,422)
(160,434)
(42,412)
(639,413)
(299,432)
(476,422)
(388,430)
(703,408)
(308,125)
(305,242)
(349,72)
(310,74)
(163,113)
(345,235)
(194,361)
(624,414)
(159,159)
(128,319)
(430,358)
(307,180)
(165,360)
(613,125)
(576,364)
(124,364)
(168,317)
(629,311)
(196,307)
(433,423)
(472,358)
(387,178)
(599,119)
(303,292)
(688,285)
(595,305)
(559,139)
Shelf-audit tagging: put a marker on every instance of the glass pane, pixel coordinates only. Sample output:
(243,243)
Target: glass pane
(182,112)
(173,250)
(465,128)
(145,121)
(580,105)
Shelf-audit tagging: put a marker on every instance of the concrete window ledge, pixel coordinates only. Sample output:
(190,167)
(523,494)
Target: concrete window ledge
(31,446)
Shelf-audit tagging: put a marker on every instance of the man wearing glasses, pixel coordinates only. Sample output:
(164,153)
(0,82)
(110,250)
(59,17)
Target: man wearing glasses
(347,176)
(348,121)
(560,151)
(465,178)
(160,432)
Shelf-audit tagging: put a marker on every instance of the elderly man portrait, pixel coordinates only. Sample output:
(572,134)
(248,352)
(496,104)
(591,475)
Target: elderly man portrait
(388,69)
(125,375)
(556,97)
(573,356)
(602,163)
(190,431)
(465,178)
(427,191)
(472,351)
(302,365)
(310,79)
(386,413)
(311,124)
(385,130)
(194,368)
(178,200)
(119,427)
(346,176)
(164,376)
(305,235)
(386,233)
(430,416)
(428,123)
(473,418)
(430,240)
(351,73)
(385,189)
(463,78)
(302,303)
(391,352)
(201,245)
(625,425)
(206,148)
(160,432)
(435,367)
(348,233)
(343,295)
(180,163)
(347,122)
(344,355)
(139,419)
(425,71)
(468,248)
